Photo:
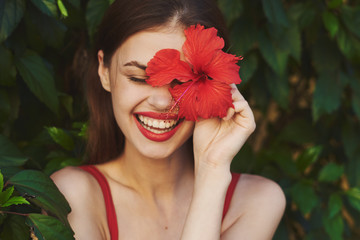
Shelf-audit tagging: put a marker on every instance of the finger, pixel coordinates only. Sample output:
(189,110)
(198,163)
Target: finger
(230,114)
(243,109)
(236,95)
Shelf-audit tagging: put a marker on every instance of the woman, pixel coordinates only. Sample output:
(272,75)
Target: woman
(167,177)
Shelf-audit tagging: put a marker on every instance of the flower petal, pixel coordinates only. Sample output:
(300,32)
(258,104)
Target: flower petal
(200,45)
(166,66)
(203,98)
(223,68)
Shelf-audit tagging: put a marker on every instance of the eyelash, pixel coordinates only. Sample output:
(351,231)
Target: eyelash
(140,80)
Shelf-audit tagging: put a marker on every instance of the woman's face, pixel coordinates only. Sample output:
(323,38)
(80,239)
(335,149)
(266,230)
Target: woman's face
(142,111)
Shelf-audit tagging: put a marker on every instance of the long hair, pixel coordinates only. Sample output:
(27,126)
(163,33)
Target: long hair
(123,19)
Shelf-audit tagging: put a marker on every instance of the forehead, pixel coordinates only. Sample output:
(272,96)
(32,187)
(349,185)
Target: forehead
(142,46)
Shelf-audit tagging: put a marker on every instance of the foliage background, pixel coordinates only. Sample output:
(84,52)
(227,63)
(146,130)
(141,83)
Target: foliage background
(301,75)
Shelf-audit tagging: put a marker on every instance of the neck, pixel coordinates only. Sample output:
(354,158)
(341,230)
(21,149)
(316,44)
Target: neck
(156,178)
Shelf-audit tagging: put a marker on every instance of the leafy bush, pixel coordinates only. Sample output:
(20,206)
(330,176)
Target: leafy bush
(300,73)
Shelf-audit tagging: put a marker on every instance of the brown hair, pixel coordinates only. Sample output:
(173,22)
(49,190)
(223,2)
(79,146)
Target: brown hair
(123,19)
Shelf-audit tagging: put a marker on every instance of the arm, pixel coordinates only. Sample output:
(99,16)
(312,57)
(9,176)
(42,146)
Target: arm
(256,210)
(216,142)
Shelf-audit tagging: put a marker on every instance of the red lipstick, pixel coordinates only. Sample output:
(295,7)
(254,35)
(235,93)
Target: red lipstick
(161,137)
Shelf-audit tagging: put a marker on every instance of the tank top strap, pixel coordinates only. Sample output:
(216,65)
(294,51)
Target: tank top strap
(230,192)
(109,204)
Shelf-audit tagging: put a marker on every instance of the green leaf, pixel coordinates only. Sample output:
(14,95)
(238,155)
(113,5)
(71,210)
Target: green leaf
(351,145)
(334,227)
(94,12)
(326,56)
(275,12)
(350,138)
(356,104)
(58,163)
(308,157)
(7,148)
(230,9)
(1,182)
(82,126)
(48,29)
(75,3)
(276,58)
(47,196)
(279,88)
(62,8)
(298,131)
(248,66)
(7,68)
(61,137)
(353,195)
(48,7)
(67,102)
(353,169)
(355,87)
(46,227)
(15,201)
(304,197)
(331,172)
(351,17)
(38,78)
(334,3)
(6,161)
(243,36)
(335,205)
(14,228)
(331,23)
(327,95)
(344,42)
(11,12)
(5,195)
(303,13)
(294,41)
(287,40)
(282,155)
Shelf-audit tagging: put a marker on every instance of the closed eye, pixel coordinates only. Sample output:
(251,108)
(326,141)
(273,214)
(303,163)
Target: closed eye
(141,80)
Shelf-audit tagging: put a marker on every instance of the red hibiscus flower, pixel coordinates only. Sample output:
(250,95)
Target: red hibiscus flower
(204,78)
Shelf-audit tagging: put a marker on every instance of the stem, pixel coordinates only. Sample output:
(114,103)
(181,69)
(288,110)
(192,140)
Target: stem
(15,213)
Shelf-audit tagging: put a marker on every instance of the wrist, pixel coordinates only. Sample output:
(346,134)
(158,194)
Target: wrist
(213,165)
(212,174)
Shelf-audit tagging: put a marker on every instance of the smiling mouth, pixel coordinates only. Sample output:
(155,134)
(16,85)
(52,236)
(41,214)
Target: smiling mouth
(157,126)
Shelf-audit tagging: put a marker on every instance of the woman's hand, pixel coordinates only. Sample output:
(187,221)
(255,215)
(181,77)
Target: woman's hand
(217,141)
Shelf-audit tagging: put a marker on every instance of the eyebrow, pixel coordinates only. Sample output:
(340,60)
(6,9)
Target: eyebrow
(136,64)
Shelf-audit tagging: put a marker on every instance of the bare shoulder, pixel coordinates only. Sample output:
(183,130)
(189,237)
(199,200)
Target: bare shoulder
(256,208)
(72,178)
(256,190)
(82,192)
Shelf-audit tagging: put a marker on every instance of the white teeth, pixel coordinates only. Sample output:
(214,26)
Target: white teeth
(161,125)
(156,123)
(149,122)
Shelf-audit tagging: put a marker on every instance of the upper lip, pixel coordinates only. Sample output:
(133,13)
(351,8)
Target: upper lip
(160,116)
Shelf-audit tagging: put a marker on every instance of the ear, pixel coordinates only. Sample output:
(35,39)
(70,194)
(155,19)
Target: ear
(103,72)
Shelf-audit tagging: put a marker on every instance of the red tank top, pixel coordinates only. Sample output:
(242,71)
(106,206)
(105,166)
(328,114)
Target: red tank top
(109,204)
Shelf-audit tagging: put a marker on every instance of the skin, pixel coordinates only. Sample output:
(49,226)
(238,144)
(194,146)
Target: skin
(164,190)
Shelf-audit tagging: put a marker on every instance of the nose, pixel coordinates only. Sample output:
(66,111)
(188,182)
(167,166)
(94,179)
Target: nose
(161,98)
